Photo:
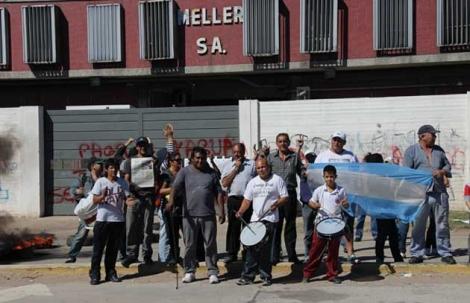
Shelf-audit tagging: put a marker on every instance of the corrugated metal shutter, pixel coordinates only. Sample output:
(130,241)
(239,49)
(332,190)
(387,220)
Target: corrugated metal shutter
(104,33)
(318,26)
(260,27)
(156,29)
(73,136)
(393,24)
(453,22)
(3,37)
(39,34)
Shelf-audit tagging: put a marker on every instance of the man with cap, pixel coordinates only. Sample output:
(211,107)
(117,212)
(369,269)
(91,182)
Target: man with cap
(337,154)
(427,156)
(139,217)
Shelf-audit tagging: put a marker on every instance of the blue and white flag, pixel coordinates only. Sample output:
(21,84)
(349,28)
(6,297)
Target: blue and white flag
(384,191)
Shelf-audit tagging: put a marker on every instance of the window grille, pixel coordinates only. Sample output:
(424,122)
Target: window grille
(3,37)
(393,24)
(104,33)
(260,27)
(318,26)
(156,29)
(453,22)
(39,34)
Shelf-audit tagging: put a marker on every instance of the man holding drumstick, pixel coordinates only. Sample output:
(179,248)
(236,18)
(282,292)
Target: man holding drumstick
(267,192)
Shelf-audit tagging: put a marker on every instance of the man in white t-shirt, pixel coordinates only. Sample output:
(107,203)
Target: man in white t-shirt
(337,154)
(266,192)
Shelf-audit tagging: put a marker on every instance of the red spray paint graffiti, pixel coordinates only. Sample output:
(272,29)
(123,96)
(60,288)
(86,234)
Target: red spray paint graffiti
(218,147)
(88,150)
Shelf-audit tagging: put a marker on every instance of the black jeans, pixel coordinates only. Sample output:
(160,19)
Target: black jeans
(107,234)
(387,228)
(232,243)
(287,212)
(258,257)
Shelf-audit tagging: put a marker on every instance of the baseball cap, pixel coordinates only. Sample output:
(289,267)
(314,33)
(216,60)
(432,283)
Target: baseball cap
(427,129)
(339,134)
(141,141)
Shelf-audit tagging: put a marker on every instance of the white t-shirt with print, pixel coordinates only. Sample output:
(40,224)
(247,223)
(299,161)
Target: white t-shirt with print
(263,195)
(328,156)
(111,210)
(330,202)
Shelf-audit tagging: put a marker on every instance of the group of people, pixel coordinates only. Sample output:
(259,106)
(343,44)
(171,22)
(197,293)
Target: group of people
(190,200)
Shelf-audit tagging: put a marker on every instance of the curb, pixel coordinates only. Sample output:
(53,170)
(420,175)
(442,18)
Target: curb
(283,267)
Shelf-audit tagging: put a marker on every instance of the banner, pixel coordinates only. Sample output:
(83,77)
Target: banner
(384,191)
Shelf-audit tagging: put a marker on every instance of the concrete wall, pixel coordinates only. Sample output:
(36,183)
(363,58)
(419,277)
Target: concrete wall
(22,161)
(384,125)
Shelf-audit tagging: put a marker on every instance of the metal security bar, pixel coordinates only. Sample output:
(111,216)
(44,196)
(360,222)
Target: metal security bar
(156,29)
(453,22)
(104,33)
(3,37)
(393,24)
(260,27)
(39,34)
(318,26)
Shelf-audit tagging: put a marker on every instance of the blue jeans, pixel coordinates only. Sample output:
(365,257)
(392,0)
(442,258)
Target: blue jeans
(164,240)
(439,204)
(308,215)
(78,240)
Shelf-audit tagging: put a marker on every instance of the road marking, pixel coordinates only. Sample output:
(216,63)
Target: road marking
(21,292)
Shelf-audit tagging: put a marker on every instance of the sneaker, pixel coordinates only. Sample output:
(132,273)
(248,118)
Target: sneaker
(335,280)
(267,282)
(188,277)
(71,260)
(244,281)
(213,279)
(448,260)
(353,259)
(403,255)
(415,260)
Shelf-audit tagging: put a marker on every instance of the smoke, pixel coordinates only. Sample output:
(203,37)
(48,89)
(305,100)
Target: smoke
(8,147)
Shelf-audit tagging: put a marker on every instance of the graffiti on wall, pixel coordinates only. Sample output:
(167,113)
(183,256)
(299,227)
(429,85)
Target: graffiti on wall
(8,147)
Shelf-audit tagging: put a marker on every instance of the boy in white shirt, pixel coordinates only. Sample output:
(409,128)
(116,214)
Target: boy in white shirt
(328,199)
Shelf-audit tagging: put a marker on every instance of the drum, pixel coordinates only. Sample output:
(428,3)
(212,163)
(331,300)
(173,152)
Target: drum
(253,234)
(330,227)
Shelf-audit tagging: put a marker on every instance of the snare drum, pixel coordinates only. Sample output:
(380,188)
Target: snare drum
(330,227)
(253,234)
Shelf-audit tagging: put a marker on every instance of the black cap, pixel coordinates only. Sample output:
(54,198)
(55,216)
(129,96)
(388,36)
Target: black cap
(427,129)
(142,141)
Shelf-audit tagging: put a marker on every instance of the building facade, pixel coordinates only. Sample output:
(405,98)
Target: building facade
(198,52)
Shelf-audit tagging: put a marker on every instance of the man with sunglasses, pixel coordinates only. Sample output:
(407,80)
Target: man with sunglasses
(427,156)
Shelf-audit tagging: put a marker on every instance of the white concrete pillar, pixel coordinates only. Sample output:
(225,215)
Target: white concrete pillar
(248,119)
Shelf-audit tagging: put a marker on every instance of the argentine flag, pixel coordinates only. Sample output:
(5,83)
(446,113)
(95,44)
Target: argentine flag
(383,191)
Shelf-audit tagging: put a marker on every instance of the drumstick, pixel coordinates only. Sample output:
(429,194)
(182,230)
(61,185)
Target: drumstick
(246,224)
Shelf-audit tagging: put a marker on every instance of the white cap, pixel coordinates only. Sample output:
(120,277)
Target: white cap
(340,135)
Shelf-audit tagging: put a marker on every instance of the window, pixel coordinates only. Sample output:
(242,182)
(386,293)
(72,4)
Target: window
(453,22)
(104,33)
(3,37)
(393,24)
(318,26)
(260,27)
(39,34)
(156,29)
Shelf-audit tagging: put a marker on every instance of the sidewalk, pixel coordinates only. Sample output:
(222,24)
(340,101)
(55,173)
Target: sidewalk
(64,226)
